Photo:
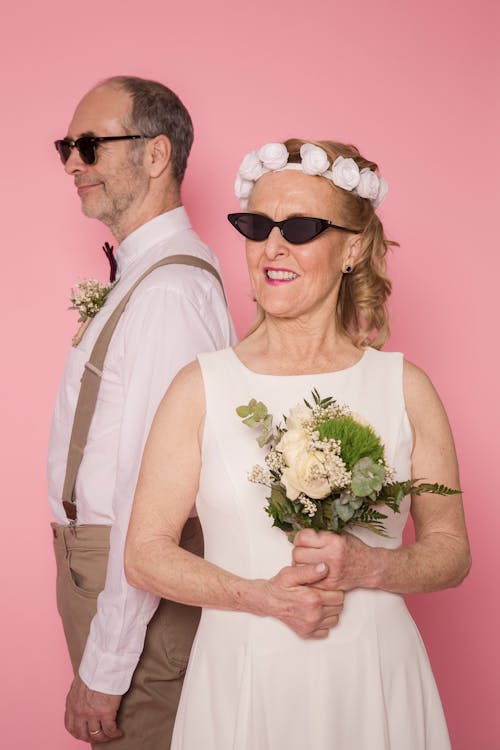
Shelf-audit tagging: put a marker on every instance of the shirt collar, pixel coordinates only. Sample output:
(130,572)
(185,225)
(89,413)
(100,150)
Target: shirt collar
(149,234)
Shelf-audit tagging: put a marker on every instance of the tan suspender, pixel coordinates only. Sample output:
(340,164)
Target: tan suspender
(91,380)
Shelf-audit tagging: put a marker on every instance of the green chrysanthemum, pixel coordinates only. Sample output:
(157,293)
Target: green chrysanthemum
(357,440)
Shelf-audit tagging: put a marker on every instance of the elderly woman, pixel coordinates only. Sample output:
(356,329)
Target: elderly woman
(314,649)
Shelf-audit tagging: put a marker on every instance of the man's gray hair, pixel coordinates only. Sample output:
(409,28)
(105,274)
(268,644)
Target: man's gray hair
(157,110)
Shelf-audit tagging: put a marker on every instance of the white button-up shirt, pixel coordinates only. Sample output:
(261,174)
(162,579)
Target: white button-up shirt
(176,313)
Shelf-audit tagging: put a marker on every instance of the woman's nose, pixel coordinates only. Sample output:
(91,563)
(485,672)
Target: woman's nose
(276,245)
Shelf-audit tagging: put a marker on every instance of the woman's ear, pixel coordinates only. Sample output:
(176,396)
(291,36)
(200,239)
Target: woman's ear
(351,253)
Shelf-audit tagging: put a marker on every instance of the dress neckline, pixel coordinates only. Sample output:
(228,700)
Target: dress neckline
(246,369)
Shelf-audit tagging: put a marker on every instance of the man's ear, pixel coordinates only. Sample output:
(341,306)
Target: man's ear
(351,251)
(158,155)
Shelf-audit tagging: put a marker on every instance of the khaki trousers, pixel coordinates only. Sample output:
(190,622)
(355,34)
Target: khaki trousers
(147,711)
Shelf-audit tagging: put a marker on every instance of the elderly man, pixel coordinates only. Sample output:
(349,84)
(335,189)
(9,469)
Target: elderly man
(126,150)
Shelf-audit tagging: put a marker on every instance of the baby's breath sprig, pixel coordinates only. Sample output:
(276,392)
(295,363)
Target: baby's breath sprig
(89,297)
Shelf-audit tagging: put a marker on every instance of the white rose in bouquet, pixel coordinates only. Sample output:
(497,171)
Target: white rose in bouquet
(306,475)
(294,442)
(297,416)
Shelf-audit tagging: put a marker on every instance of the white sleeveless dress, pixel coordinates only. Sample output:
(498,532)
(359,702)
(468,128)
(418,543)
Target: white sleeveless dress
(252,684)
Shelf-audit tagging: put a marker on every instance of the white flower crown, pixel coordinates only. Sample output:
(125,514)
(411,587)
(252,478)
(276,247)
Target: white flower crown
(344,173)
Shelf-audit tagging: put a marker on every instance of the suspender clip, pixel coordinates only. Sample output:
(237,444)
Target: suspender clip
(94,369)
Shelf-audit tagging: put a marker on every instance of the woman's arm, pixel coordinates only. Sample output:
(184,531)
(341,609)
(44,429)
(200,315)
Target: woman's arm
(166,492)
(440,557)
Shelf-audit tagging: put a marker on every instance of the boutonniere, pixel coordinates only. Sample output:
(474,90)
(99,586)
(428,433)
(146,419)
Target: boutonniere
(88,297)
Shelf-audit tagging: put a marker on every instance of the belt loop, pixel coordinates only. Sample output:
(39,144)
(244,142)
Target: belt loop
(67,530)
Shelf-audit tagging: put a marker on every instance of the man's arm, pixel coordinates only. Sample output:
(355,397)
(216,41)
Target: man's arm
(440,556)
(163,331)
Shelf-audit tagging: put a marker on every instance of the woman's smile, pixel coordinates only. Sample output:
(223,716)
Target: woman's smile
(276,276)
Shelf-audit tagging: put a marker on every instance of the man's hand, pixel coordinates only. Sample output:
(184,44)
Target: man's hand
(91,716)
(351,563)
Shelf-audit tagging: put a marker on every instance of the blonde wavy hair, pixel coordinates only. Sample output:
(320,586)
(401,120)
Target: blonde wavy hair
(361,306)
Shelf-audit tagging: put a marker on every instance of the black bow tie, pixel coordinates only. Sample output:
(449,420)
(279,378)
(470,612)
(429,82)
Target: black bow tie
(108,250)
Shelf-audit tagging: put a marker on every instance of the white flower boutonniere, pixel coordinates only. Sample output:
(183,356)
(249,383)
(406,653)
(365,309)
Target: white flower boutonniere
(88,298)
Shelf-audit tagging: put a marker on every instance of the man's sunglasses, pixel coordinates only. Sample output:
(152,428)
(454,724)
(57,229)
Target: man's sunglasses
(297,229)
(87,144)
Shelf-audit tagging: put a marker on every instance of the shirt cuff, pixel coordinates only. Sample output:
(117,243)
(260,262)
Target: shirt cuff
(108,672)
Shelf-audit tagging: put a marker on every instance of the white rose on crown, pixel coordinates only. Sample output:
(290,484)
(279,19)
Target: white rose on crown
(382,192)
(251,167)
(273,155)
(314,159)
(242,187)
(345,173)
(368,185)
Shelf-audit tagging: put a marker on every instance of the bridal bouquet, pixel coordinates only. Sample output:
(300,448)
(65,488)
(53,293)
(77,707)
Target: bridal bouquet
(326,468)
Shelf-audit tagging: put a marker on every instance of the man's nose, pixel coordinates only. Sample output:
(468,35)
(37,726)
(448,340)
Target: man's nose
(75,162)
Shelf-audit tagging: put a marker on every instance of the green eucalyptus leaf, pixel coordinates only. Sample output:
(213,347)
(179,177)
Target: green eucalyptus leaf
(356,503)
(344,511)
(260,411)
(344,498)
(265,438)
(243,411)
(367,477)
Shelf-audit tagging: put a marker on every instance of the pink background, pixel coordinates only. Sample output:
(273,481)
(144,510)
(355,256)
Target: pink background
(415,85)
